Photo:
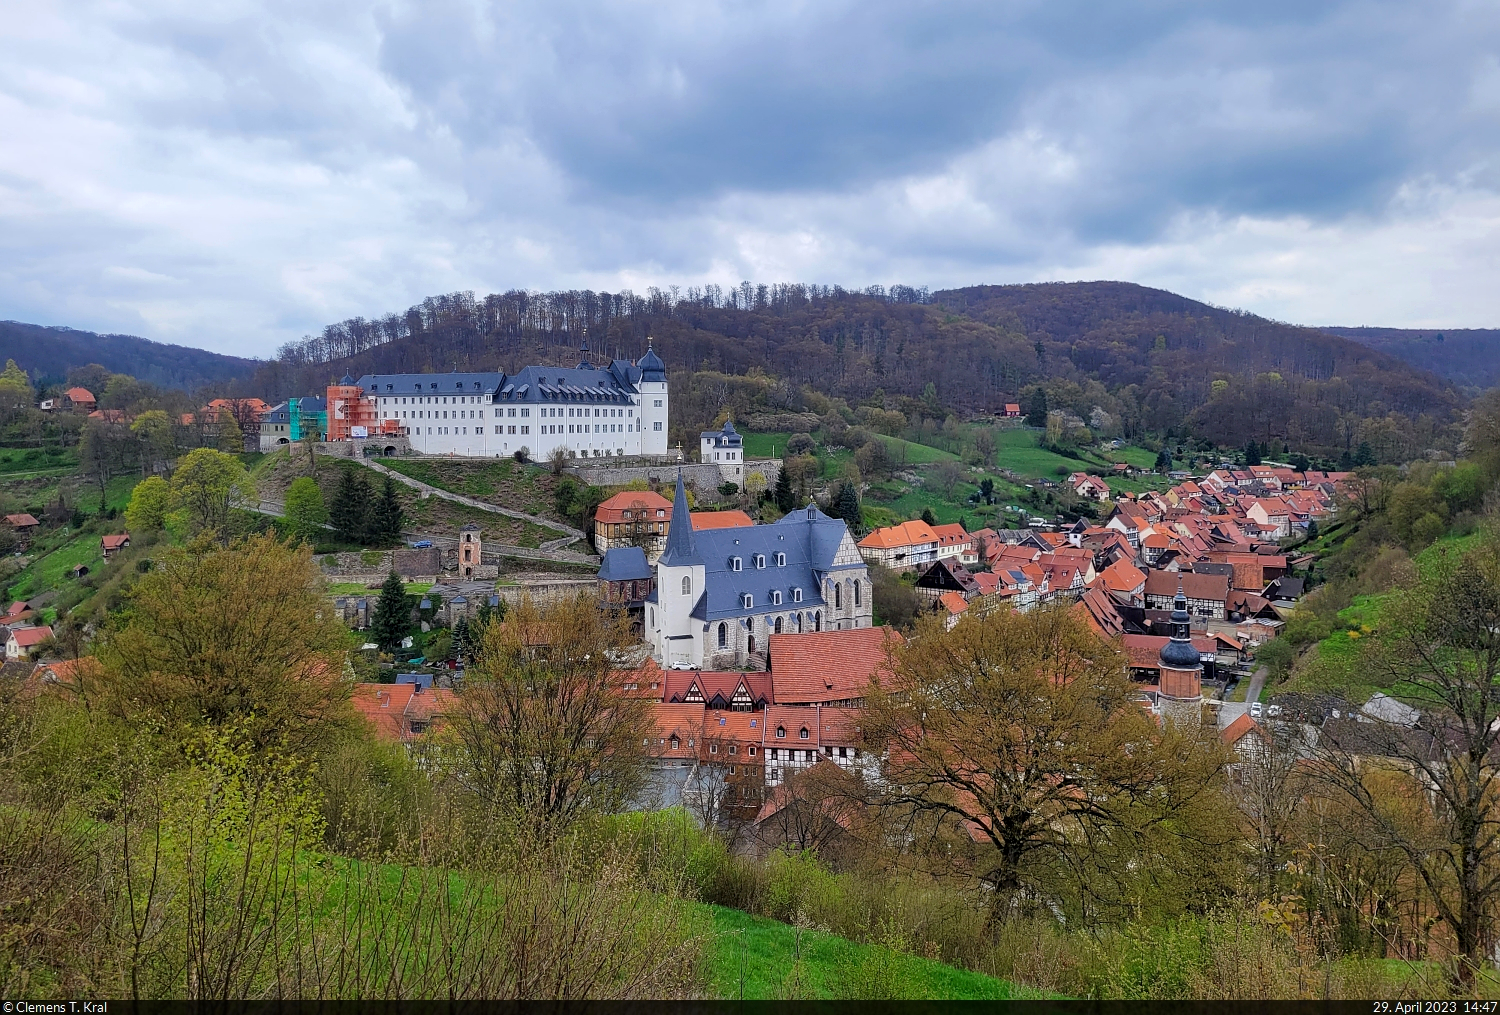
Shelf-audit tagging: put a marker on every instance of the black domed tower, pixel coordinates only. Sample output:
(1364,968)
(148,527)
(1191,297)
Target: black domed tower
(1181,683)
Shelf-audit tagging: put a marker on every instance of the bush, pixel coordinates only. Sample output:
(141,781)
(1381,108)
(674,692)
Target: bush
(798,887)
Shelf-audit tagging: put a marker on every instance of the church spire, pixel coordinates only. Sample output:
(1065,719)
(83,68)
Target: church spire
(681,548)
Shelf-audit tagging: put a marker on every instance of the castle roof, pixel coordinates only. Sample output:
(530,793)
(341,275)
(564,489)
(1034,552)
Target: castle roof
(681,549)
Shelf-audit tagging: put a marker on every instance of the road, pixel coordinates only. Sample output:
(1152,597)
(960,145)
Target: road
(1257,681)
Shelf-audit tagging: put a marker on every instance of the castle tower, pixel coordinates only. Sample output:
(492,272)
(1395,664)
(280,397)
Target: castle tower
(470,550)
(1181,685)
(654,407)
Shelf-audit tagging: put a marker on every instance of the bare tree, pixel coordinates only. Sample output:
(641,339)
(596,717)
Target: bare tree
(1440,649)
(558,458)
(1269,784)
(543,730)
(948,474)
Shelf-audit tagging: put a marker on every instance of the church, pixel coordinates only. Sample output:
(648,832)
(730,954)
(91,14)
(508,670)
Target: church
(721,593)
(594,410)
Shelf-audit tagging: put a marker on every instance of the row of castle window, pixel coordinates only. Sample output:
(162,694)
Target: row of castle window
(776,626)
(546,412)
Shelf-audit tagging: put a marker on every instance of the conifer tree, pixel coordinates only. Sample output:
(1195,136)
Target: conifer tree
(350,510)
(392,614)
(846,506)
(1036,408)
(388,517)
(785,498)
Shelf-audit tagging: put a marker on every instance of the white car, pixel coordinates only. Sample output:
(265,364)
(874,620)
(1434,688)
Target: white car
(1273,711)
(1255,710)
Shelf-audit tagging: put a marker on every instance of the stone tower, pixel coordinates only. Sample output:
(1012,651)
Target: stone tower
(470,551)
(1181,686)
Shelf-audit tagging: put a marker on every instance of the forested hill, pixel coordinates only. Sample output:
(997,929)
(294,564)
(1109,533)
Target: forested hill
(1469,357)
(1150,360)
(52,352)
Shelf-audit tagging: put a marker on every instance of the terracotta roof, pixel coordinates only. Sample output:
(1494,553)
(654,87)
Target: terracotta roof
(17,608)
(836,727)
(906,534)
(1157,541)
(828,665)
(951,534)
(1121,576)
(116,541)
(21,520)
(720,520)
(390,708)
(79,395)
(685,722)
(27,637)
(953,602)
(1144,650)
(712,683)
(613,509)
(1239,729)
(1100,612)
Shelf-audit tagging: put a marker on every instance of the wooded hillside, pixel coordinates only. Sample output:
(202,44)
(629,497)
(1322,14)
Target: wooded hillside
(51,352)
(1469,357)
(1151,361)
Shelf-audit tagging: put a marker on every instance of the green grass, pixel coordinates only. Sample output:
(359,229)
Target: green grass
(359,588)
(19,461)
(766,948)
(54,567)
(910,453)
(765,445)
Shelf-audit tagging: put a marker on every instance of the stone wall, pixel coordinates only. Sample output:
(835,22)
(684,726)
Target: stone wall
(367,447)
(703,479)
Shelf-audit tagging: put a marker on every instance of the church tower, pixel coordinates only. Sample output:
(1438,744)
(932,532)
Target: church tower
(1181,686)
(680,574)
(654,407)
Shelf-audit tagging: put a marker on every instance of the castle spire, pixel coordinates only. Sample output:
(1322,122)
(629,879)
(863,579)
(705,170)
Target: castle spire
(681,548)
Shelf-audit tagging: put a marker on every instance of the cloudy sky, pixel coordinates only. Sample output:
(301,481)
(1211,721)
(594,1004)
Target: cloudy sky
(235,174)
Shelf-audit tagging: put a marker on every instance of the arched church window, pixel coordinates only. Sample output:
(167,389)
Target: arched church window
(723,635)
(687,584)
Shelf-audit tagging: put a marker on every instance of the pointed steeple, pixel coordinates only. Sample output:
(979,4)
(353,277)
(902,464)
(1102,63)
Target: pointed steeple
(680,549)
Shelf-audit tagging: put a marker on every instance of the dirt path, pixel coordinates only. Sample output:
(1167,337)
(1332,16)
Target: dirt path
(428,490)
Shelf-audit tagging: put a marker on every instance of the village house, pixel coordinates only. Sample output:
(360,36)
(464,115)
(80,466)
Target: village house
(901,547)
(403,712)
(21,642)
(1205,593)
(1089,487)
(79,400)
(113,544)
(953,541)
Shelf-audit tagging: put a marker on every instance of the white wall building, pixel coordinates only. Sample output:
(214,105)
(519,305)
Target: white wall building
(594,411)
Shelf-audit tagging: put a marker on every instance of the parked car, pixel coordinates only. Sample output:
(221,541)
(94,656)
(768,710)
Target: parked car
(1273,711)
(422,544)
(1255,710)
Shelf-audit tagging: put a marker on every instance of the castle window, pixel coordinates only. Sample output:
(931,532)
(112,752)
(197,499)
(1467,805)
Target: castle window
(781,560)
(838,596)
(856,592)
(687,585)
(775,597)
(723,635)
(797,595)
(778,625)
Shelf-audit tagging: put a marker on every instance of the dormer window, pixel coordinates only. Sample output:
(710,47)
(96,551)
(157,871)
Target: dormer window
(775,597)
(760,560)
(675,742)
(780,732)
(803,733)
(749,601)
(796,595)
(781,560)
(734,563)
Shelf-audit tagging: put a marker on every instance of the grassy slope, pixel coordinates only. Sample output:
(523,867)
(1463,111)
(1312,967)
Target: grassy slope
(766,948)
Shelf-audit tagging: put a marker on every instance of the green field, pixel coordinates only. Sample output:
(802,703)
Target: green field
(761,953)
(359,588)
(53,567)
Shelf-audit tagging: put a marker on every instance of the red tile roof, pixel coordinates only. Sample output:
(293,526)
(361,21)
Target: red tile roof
(953,602)
(29,637)
(116,542)
(913,533)
(22,520)
(828,665)
(613,509)
(79,395)
(390,708)
(1239,729)
(720,520)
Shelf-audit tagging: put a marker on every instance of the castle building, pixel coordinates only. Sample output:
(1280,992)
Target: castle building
(726,449)
(721,593)
(1180,694)
(592,411)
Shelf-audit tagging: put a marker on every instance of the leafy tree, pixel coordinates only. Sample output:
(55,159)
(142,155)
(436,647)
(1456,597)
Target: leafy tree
(728,489)
(895,603)
(230,637)
(387,517)
(149,503)
(305,511)
(158,442)
(1312,529)
(543,730)
(785,498)
(15,388)
(984,448)
(208,484)
(948,474)
(1036,407)
(800,444)
(1482,435)
(392,617)
(987,490)
(1014,748)
(350,510)
(231,437)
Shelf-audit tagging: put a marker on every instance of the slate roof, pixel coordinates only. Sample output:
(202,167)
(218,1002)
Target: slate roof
(681,548)
(623,564)
(810,541)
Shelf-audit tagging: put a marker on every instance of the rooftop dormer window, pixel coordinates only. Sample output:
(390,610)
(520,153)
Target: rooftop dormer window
(797,595)
(781,732)
(802,733)
(781,560)
(734,563)
(749,601)
(760,560)
(775,597)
